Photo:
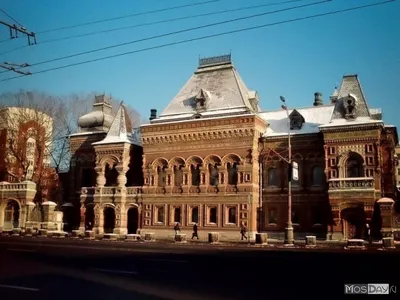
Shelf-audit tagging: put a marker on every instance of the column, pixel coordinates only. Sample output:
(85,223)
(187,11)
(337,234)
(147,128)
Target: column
(98,227)
(387,215)
(120,220)
(121,179)
(82,217)
(101,178)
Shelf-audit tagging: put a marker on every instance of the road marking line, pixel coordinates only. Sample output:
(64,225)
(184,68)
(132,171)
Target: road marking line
(116,271)
(18,288)
(167,260)
(20,250)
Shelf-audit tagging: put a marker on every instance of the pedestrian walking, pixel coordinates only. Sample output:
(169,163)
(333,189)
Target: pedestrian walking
(368,233)
(177,228)
(195,234)
(243,231)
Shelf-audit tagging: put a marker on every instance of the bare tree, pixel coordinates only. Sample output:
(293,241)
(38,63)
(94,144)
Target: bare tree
(37,126)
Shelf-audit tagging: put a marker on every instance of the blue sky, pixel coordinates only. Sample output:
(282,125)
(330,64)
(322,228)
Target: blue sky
(294,59)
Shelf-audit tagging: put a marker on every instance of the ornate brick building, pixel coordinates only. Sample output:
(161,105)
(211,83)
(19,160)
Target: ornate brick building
(212,157)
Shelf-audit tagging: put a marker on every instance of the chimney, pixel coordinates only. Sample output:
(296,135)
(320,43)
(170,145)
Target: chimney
(153,114)
(318,99)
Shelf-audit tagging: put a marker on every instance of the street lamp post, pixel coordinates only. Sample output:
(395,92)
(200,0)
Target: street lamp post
(289,229)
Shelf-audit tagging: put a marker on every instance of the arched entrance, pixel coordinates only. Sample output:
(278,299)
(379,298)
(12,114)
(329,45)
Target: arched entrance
(89,217)
(11,215)
(353,222)
(109,219)
(133,220)
(68,216)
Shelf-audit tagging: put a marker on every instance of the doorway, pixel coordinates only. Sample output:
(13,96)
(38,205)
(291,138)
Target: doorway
(133,220)
(353,223)
(11,215)
(109,220)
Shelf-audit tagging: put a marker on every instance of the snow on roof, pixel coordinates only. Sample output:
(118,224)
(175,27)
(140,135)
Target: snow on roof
(358,121)
(314,117)
(224,87)
(120,130)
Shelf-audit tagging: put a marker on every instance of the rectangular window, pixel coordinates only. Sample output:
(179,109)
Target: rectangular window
(370,148)
(332,150)
(160,214)
(212,215)
(177,215)
(370,173)
(195,215)
(231,215)
(332,162)
(272,216)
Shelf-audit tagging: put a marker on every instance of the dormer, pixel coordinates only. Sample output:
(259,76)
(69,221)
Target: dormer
(350,107)
(296,120)
(201,101)
(253,100)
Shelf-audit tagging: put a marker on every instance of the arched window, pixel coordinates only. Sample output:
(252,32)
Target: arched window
(232,173)
(195,171)
(272,175)
(111,175)
(354,166)
(317,176)
(162,175)
(214,175)
(178,175)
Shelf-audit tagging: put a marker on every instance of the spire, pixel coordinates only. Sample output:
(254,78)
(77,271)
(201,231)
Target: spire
(334,95)
(120,130)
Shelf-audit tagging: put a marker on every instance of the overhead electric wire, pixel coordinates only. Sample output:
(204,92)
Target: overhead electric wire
(130,16)
(218,12)
(209,36)
(121,17)
(16,22)
(179,31)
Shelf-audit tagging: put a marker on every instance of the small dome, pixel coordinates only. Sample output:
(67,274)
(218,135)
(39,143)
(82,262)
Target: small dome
(93,119)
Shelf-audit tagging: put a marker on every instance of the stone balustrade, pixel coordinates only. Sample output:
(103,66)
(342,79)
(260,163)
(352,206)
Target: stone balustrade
(26,185)
(351,183)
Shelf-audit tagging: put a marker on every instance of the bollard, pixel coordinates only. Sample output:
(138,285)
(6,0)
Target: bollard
(150,237)
(311,241)
(261,238)
(213,237)
(89,235)
(355,244)
(388,243)
(133,237)
(180,238)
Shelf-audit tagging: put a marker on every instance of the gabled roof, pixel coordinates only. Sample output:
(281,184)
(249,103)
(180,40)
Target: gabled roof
(221,84)
(120,130)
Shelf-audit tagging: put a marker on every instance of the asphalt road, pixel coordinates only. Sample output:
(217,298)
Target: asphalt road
(40,268)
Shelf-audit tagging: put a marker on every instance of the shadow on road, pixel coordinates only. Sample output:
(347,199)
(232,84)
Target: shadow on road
(223,275)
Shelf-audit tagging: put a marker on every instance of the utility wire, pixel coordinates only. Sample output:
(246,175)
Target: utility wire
(2,10)
(124,17)
(155,23)
(130,16)
(179,31)
(209,36)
